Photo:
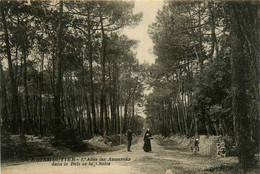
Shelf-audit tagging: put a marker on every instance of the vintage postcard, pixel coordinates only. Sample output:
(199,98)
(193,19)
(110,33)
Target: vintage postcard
(129,86)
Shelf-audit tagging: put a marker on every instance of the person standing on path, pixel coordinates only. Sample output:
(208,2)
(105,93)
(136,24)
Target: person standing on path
(196,145)
(129,138)
(147,141)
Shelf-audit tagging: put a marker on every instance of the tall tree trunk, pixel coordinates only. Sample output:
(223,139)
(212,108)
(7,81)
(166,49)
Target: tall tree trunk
(103,67)
(106,114)
(120,116)
(216,128)
(117,96)
(214,43)
(89,122)
(244,23)
(125,116)
(58,73)
(3,103)
(112,112)
(26,97)
(112,84)
(133,114)
(118,109)
(183,105)
(17,115)
(174,123)
(40,96)
(200,39)
(177,103)
(92,97)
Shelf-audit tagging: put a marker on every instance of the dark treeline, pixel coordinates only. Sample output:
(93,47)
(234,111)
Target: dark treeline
(65,65)
(206,78)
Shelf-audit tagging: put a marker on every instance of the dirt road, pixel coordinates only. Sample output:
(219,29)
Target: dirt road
(159,161)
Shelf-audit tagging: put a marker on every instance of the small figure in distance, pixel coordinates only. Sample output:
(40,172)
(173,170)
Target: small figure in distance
(196,146)
(147,141)
(129,138)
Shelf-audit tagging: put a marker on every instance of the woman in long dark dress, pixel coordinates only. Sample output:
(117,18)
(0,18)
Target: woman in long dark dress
(147,141)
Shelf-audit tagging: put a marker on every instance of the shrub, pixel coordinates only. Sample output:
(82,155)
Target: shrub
(164,130)
(70,139)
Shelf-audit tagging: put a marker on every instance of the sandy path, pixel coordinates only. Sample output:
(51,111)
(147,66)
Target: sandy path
(113,168)
(155,162)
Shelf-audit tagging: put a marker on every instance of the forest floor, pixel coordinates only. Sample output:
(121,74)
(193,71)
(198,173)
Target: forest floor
(166,157)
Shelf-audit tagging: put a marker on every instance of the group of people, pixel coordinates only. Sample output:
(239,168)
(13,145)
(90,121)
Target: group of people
(147,140)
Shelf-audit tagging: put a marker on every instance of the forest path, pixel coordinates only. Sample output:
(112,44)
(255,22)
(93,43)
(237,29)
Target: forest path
(159,161)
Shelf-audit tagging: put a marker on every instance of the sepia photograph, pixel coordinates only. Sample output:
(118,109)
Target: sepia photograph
(130,86)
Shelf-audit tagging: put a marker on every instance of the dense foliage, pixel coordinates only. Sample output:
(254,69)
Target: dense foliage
(66,67)
(206,77)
